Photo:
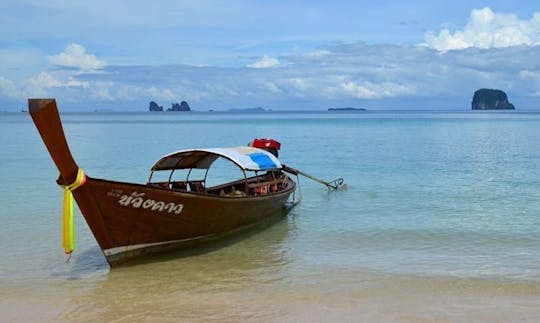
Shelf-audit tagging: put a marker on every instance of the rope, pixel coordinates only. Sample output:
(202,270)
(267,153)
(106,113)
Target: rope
(68,225)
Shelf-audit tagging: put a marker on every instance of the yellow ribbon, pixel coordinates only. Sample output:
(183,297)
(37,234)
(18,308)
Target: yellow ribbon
(68,226)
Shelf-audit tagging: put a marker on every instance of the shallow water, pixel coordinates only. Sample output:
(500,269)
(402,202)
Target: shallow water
(440,221)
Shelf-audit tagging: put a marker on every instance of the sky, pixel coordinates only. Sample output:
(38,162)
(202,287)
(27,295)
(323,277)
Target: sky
(279,55)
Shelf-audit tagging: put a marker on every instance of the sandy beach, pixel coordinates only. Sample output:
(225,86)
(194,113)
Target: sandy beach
(140,296)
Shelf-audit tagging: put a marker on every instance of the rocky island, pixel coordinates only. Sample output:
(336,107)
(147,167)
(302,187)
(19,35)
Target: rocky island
(490,99)
(183,106)
(153,106)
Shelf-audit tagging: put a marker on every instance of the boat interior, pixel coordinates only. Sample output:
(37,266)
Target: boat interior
(270,183)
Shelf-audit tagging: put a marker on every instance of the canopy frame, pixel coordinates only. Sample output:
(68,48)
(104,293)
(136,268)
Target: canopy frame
(245,158)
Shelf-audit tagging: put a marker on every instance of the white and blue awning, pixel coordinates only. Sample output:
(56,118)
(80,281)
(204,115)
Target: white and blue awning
(247,158)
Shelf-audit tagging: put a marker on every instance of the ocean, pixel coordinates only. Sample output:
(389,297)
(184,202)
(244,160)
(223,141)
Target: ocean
(440,221)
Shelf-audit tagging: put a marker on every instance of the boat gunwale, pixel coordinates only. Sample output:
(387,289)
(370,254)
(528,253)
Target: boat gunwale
(291,186)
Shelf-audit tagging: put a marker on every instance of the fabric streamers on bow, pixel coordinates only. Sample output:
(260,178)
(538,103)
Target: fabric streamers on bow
(68,226)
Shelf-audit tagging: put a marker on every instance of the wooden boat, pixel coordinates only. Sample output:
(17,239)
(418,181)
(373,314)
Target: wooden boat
(129,219)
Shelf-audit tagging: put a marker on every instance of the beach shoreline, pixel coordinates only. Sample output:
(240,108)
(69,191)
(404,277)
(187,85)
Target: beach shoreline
(346,297)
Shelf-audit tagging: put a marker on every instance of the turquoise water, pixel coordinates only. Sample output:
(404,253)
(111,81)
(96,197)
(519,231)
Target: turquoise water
(448,200)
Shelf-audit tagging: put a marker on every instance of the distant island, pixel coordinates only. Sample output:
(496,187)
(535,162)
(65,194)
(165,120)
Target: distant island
(183,106)
(346,109)
(491,99)
(153,106)
(257,109)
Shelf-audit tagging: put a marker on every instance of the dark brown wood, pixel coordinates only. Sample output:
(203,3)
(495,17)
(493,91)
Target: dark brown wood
(202,217)
(130,219)
(45,115)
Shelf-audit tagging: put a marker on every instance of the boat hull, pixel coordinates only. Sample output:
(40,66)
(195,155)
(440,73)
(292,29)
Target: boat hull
(129,219)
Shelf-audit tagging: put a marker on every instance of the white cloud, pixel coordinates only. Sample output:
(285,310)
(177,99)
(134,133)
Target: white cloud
(345,74)
(39,85)
(369,90)
(44,80)
(299,83)
(487,29)
(9,89)
(531,79)
(75,56)
(340,75)
(164,94)
(122,92)
(73,82)
(272,87)
(265,62)
(102,91)
(316,54)
(45,83)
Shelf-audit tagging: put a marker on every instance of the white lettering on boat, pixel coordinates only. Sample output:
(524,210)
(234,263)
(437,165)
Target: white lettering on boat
(137,200)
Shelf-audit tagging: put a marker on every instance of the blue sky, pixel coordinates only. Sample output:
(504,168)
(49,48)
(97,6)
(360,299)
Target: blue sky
(275,54)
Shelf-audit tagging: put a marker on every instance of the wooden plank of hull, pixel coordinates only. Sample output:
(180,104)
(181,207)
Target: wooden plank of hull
(121,255)
(141,225)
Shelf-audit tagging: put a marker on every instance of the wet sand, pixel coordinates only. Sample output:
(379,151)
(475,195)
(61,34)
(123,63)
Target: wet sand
(146,296)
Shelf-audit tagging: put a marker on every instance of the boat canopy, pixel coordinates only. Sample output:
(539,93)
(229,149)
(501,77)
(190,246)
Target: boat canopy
(247,158)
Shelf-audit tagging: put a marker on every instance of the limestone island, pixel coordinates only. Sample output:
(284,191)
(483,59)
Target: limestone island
(346,109)
(153,106)
(183,106)
(490,99)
